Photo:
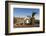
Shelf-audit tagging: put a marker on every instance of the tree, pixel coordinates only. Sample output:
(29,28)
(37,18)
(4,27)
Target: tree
(33,14)
(33,18)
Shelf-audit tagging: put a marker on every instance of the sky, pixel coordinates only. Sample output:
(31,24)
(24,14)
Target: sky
(23,12)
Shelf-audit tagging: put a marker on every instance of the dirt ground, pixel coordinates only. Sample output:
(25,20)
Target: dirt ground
(26,25)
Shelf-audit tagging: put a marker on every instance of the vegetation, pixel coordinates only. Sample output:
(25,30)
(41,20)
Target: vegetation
(15,20)
(33,18)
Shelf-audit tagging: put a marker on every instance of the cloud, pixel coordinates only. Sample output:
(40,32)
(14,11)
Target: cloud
(37,16)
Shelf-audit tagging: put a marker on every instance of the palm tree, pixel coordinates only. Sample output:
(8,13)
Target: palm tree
(33,18)
(33,14)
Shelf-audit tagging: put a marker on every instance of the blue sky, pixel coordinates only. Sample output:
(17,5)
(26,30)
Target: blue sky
(25,11)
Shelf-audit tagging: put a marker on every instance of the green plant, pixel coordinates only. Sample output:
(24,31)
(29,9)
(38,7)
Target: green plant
(33,18)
